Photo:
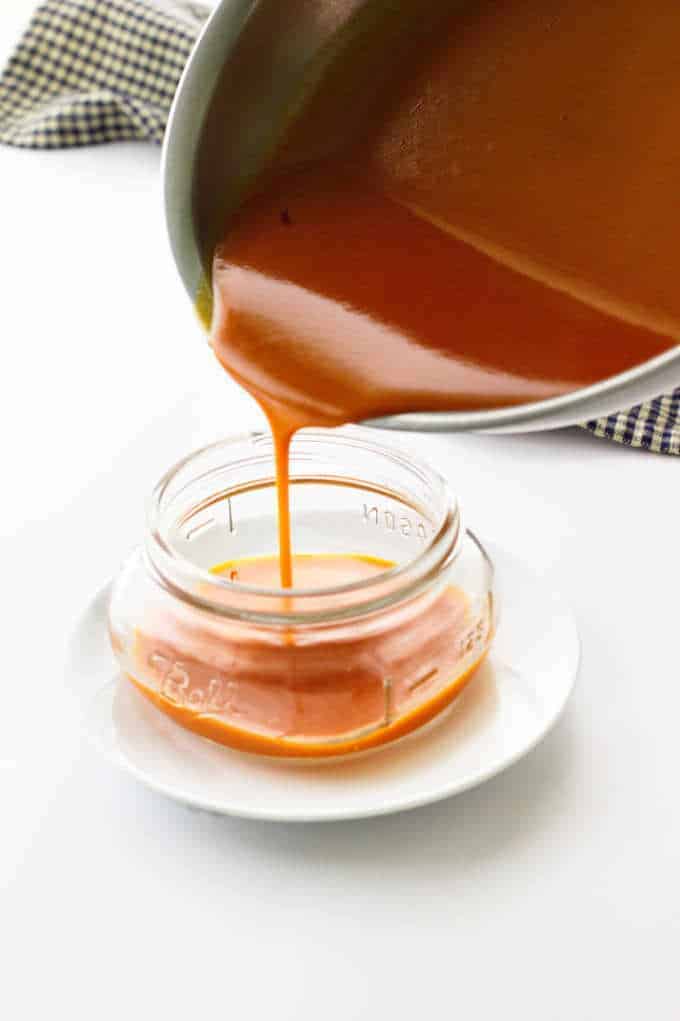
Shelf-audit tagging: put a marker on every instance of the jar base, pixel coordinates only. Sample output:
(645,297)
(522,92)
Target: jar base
(312,751)
(513,701)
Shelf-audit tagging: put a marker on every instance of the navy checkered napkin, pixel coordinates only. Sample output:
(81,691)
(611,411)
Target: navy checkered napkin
(90,71)
(651,426)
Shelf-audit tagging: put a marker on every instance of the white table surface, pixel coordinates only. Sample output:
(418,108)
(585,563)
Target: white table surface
(549,893)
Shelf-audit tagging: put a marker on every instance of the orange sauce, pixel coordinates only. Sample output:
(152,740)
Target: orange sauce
(336,304)
(501,227)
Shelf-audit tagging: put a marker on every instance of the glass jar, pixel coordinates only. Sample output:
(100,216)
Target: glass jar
(292,672)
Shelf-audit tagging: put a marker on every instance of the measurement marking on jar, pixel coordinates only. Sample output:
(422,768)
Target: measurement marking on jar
(390,521)
(230,517)
(387,700)
(414,685)
(191,533)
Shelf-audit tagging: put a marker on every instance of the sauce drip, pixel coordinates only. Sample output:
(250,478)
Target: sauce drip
(504,230)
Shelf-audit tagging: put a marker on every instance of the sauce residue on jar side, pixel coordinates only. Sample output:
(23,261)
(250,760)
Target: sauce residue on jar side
(504,230)
(290,693)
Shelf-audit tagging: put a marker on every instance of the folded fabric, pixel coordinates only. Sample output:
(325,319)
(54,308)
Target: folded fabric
(654,425)
(92,71)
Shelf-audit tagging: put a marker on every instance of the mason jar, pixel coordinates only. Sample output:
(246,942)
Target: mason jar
(304,673)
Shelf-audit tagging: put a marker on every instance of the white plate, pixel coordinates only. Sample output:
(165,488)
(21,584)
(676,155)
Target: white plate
(508,707)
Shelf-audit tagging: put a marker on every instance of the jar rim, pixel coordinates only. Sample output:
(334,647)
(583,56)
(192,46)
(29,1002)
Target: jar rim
(180,573)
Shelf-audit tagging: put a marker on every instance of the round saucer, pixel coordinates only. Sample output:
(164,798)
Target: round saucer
(510,704)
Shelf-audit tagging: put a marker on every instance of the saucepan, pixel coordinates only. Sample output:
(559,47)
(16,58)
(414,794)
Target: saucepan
(253,66)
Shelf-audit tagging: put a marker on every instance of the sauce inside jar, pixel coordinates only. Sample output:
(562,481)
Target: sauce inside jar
(311,695)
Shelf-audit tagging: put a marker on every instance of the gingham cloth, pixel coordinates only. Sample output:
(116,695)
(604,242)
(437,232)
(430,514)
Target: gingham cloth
(91,71)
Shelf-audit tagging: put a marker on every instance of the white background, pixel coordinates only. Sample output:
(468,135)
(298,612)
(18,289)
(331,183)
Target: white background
(550,893)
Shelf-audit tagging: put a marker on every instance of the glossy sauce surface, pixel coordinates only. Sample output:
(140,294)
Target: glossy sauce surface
(334,304)
(503,230)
